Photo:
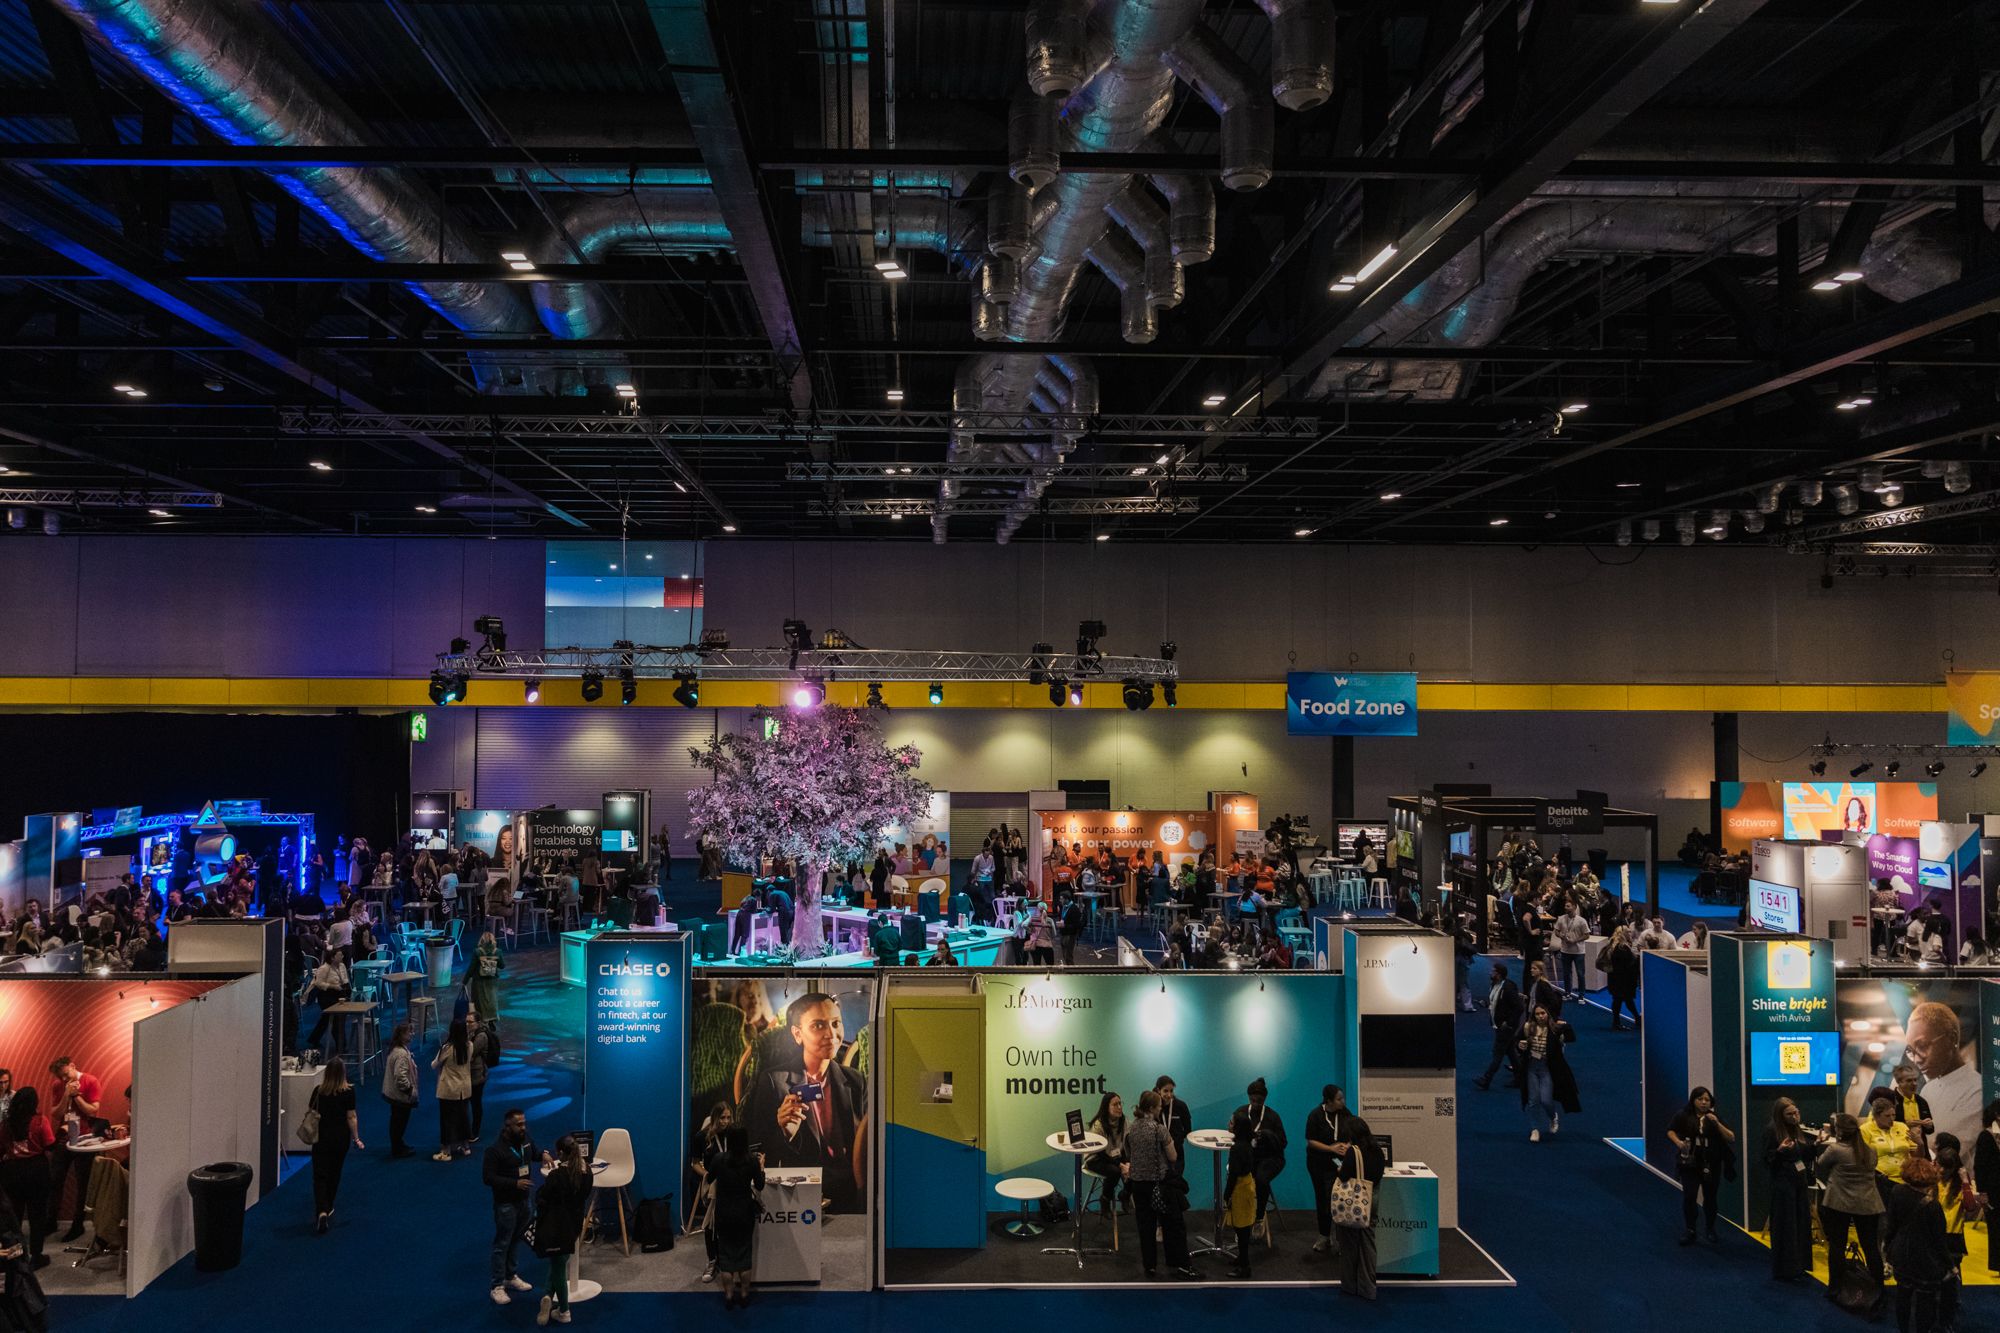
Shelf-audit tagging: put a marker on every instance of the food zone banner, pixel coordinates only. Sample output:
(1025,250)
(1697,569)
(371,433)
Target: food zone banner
(1325,703)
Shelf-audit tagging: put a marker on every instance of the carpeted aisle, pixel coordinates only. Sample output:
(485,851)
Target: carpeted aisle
(1588,1234)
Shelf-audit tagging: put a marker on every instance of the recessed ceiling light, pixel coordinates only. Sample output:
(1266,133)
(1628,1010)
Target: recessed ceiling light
(1302,532)
(687,576)
(1571,409)
(1628,485)
(1826,285)
(1848,275)
(895,395)
(514,256)
(729,527)
(521,266)
(649,557)
(159,513)
(1496,522)
(426,509)
(1391,495)
(1215,400)
(626,388)
(614,564)
(894,274)
(884,265)
(1382,256)
(1344,285)
(318,466)
(1104,536)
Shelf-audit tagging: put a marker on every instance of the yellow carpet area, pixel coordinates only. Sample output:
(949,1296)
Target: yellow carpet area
(1974,1271)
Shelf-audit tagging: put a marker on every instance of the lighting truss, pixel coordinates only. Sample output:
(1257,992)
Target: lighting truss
(1108,506)
(654,661)
(1800,541)
(1831,748)
(1192,473)
(823,426)
(1912,560)
(105,499)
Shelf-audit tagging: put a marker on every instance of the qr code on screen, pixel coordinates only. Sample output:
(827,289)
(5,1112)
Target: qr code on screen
(1446,1108)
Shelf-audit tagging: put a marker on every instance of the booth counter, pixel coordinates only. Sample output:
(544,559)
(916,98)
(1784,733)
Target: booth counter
(571,969)
(974,946)
(1406,1221)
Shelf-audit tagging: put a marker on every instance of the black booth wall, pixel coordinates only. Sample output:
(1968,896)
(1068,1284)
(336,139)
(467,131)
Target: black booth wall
(349,771)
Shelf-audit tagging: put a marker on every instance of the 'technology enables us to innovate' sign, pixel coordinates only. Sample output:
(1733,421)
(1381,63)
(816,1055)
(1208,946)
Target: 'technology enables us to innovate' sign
(1351,703)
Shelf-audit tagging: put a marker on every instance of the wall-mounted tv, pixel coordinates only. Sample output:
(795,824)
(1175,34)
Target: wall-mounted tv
(1408,1041)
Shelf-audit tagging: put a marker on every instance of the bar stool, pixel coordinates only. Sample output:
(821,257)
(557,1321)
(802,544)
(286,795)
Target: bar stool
(1378,894)
(1094,1189)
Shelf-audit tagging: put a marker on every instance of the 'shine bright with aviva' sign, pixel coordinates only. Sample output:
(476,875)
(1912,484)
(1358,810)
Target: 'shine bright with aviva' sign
(1351,703)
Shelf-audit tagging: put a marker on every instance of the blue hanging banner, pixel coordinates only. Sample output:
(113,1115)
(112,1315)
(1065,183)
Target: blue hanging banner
(635,1052)
(1351,703)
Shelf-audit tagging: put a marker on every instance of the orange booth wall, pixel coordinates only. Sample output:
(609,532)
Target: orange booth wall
(1179,835)
(1234,811)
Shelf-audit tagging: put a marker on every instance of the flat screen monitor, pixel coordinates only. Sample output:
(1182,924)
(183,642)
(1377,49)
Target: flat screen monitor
(1346,834)
(1795,1059)
(1774,907)
(1408,1041)
(617,840)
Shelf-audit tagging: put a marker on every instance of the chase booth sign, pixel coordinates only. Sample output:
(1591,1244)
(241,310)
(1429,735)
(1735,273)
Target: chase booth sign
(1368,703)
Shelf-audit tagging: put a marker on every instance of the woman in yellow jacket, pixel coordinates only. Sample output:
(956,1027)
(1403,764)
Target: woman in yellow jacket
(1889,1137)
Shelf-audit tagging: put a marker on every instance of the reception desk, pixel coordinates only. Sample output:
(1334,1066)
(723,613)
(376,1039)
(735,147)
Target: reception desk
(788,1226)
(975,946)
(1406,1221)
(569,962)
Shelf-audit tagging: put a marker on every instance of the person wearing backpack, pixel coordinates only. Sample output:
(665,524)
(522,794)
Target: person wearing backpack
(332,1124)
(399,1089)
(484,974)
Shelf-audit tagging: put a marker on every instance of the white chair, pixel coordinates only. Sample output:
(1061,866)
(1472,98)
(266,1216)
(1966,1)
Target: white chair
(1378,895)
(935,885)
(615,1147)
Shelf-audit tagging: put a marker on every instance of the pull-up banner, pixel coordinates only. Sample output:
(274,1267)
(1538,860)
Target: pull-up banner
(1365,703)
(635,1048)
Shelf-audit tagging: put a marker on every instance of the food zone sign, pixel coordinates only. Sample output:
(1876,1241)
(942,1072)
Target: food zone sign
(1367,703)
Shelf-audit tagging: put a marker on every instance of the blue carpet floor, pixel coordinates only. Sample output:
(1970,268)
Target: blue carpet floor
(1588,1234)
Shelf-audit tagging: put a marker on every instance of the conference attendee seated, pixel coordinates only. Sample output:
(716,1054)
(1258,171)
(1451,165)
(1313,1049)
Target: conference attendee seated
(810,1109)
(1266,1135)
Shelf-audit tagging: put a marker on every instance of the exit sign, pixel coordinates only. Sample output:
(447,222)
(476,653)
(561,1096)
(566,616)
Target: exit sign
(420,726)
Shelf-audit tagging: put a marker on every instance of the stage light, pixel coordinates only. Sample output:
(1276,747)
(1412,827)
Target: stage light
(1076,696)
(1038,664)
(1138,694)
(440,688)
(460,647)
(628,688)
(1860,768)
(1168,649)
(1167,692)
(1817,768)
(593,686)
(1088,632)
(808,694)
(937,694)
(52,524)
(1058,692)
(687,689)
(798,639)
(1977,769)
(1934,768)
(1895,767)
(17,519)
(875,696)
(532,692)
(493,630)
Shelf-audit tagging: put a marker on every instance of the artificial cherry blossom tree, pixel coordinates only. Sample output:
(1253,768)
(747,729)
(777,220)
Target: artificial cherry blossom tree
(817,788)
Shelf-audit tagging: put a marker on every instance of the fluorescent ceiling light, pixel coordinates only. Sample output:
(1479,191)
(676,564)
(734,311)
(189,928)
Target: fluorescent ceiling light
(159,513)
(1571,409)
(729,527)
(1214,400)
(891,471)
(1496,522)
(1163,459)
(683,490)
(425,509)
(896,516)
(1345,284)
(895,395)
(904,470)
(1628,485)
(514,256)
(135,393)
(1391,495)
(1826,285)
(1104,536)
(1140,470)
(318,466)
(1848,275)
(894,274)
(884,265)
(1382,256)
(1302,532)
(521,266)
(1861,400)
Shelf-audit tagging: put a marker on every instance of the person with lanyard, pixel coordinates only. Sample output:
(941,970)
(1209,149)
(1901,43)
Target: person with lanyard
(1266,1134)
(1324,1125)
(1889,1136)
(1175,1116)
(1548,1087)
(1789,1155)
(1704,1144)
(1360,1157)
(508,1171)
(1911,1107)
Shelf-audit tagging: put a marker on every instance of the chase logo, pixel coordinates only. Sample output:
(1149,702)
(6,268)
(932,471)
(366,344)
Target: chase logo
(809,1216)
(635,969)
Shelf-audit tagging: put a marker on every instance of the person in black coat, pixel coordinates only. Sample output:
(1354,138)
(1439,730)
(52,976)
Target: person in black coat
(1706,1148)
(560,1206)
(1178,1120)
(1360,1158)
(1986,1176)
(1325,1131)
(1267,1141)
(812,1113)
(737,1175)
(1620,964)
(1915,1243)
(1789,1154)
(1504,1008)
(1549,1035)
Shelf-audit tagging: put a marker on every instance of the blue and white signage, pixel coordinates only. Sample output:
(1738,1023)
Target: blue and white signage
(635,1056)
(1363,703)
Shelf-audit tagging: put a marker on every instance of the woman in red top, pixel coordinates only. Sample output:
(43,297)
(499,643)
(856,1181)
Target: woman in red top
(25,1140)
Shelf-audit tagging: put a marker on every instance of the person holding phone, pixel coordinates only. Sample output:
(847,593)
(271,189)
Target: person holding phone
(813,1112)
(1706,1151)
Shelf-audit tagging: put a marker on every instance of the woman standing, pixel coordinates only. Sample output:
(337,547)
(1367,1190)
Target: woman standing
(25,1139)
(1359,1159)
(485,1054)
(339,1126)
(1914,1239)
(1889,1137)
(1153,1183)
(484,973)
(330,983)
(736,1176)
(1704,1144)
(1548,1086)
(1789,1155)
(399,1089)
(560,1206)
(453,1063)
(1620,964)
(1986,1177)
(1239,1189)
(1109,1165)
(1847,1165)
(1961,1204)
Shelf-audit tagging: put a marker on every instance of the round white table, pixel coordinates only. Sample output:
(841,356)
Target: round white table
(1218,1142)
(1089,1144)
(1024,1190)
(580,1287)
(95,1146)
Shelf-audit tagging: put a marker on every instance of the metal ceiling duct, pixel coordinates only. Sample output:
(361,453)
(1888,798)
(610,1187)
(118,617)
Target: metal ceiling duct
(247,85)
(1120,261)
(1055,46)
(1301,52)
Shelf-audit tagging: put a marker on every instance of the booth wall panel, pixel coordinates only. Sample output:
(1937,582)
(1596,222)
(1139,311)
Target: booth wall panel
(529,757)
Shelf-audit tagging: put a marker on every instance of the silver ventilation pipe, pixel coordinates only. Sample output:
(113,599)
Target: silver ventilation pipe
(1008,233)
(1134,209)
(1033,132)
(1301,52)
(968,396)
(1190,211)
(246,85)
(1066,386)
(1120,261)
(1228,85)
(1055,46)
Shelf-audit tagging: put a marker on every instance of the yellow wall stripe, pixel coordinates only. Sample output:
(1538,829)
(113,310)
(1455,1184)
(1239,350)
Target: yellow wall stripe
(382,695)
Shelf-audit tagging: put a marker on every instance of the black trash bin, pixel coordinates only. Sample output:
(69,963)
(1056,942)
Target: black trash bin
(220,1191)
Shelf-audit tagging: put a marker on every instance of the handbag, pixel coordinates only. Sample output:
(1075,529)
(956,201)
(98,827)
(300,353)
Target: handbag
(1353,1203)
(1855,1291)
(309,1122)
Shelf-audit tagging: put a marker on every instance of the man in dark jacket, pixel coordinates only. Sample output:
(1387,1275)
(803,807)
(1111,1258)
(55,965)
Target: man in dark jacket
(811,1112)
(507,1170)
(1072,930)
(1503,1002)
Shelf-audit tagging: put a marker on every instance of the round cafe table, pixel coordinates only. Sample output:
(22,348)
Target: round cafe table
(1216,1142)
(1077,1152)
(1024,1190)
(580,1287)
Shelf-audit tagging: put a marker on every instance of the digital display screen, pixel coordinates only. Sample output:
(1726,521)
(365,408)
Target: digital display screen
(1408,1041)
(1812,808)
(1774,907)
(618,840)
(1799,1059)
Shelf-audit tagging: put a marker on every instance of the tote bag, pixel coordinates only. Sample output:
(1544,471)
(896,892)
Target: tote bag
(309,1122)
(1353,1204)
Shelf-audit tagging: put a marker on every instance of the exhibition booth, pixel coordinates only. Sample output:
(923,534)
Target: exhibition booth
(187,1063)
(938,1095)
(1757,1016)
(168,850)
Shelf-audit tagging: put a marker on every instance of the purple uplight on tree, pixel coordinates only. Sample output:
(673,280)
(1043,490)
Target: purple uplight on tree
(817,790)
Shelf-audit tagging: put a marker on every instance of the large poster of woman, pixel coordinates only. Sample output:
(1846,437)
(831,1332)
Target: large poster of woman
(1931,1025)
(788,1058)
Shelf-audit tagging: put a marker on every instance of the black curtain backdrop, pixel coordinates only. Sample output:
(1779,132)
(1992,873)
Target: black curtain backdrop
(350,772)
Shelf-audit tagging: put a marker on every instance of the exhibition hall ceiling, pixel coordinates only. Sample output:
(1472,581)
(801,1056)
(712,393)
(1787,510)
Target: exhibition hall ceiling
(1608,272)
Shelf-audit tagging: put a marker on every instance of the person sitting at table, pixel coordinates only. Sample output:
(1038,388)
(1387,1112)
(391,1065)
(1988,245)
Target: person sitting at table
(1265,1133)
(1276,954)
(811,1111)
(942,956)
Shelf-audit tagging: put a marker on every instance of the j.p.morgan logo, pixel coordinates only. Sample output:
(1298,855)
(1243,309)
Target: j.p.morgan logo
(1030,1000)
(1367,963)
(1403,1223)
(635,969)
